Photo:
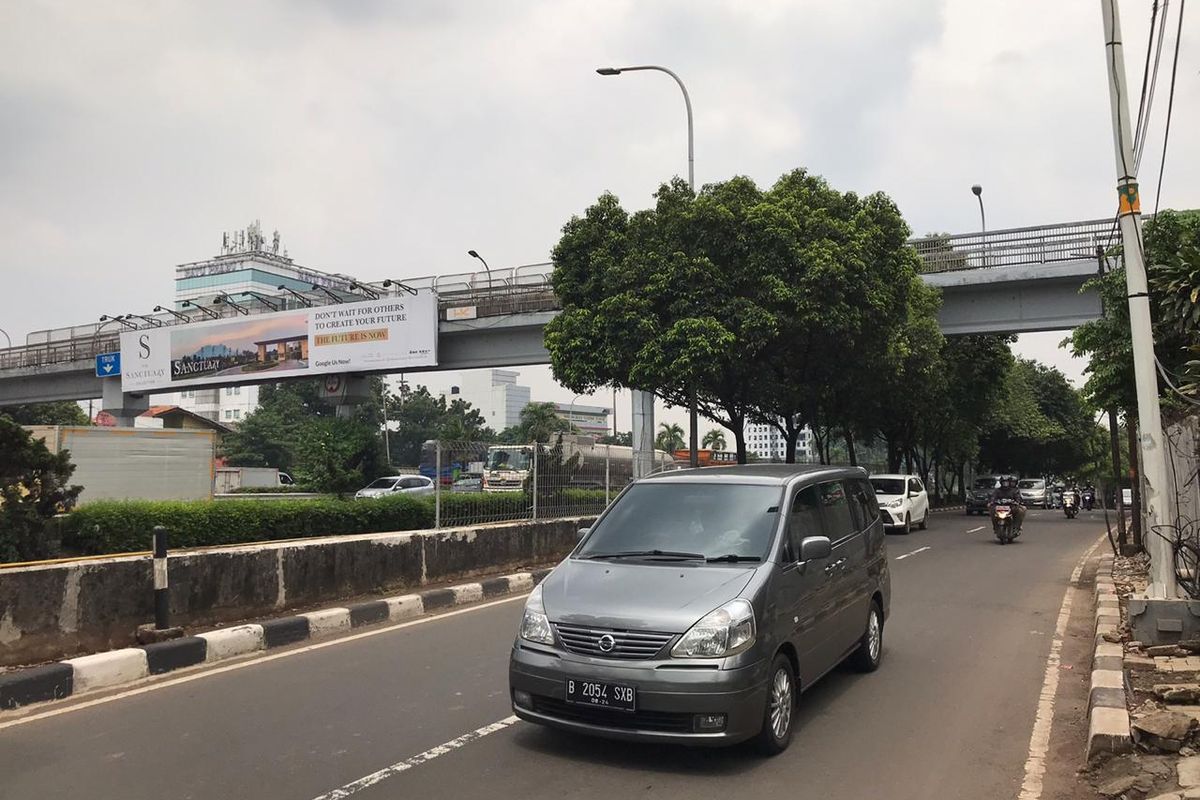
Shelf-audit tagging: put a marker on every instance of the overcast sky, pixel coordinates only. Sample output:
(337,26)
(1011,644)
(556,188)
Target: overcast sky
(387,138)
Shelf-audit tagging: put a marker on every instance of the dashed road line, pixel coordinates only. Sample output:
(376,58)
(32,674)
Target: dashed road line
(912,553)
(976,530)
(429,755)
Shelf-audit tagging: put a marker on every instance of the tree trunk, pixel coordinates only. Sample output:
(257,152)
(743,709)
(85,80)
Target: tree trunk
(1135,519)
(850,446)
(937,482)
(739,439)
(790,435)
(893,457)
(908,461)
(1114,438)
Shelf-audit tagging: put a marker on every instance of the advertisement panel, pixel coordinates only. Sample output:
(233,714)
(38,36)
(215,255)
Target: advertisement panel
(388,334)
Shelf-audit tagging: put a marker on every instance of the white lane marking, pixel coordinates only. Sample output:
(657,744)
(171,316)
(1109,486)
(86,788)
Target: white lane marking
(194,676)
(429,755)
(975,530)
(912,553)
(1039,739)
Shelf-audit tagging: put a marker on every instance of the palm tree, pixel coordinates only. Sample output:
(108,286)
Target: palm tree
(670,438)
(714,440)
(539,421)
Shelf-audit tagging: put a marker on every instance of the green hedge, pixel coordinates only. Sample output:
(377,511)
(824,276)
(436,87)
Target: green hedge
(122,526)
(289,489)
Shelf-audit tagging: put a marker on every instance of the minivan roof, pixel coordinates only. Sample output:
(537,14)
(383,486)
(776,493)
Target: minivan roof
(763,474)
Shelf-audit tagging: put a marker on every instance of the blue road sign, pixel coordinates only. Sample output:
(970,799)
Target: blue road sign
(108,365)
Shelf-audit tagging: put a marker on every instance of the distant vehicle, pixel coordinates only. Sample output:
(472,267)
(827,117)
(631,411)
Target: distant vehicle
(463,485)
(230,479)
(701,601)
(396,484)
(705,458)
(903,501)
(980,493)
(507,467)
(1035,492)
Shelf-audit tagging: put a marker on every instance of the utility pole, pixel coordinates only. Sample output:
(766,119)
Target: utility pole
(1114,438)
(1152,461)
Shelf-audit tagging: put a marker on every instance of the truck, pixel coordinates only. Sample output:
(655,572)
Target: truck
(230,479)
(135,463)
(507,467)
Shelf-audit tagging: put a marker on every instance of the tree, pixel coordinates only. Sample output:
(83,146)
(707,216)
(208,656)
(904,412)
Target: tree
(338,455)
(33,488)
(621,439)
(66,412)
(670,438)
(418,417)
(714,440)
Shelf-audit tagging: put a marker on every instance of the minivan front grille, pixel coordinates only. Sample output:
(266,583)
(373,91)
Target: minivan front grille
(624,644)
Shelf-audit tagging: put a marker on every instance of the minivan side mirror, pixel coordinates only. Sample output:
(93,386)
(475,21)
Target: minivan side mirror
(815,548)
(584,532)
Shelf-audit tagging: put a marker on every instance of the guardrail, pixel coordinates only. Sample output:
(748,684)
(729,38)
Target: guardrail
(527,288)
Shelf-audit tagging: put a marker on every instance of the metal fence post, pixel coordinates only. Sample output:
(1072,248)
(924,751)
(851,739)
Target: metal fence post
(535,480)
(162,599)
(607,458)
(437,487)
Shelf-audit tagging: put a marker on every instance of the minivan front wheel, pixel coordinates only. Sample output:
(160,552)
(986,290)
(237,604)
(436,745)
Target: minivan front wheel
(870,647)
(776,731)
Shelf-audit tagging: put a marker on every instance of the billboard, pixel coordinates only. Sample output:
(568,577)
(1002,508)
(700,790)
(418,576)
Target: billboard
(388,334)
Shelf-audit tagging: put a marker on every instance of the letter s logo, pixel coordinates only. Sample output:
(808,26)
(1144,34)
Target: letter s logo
(144,345)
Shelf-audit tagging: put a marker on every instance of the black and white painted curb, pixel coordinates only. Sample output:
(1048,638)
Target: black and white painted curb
(1108,712)
(118,667)
(947,509)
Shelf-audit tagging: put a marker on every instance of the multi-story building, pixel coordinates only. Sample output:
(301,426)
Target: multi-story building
(247,265)
(766,442)
(495,394)
(590,420)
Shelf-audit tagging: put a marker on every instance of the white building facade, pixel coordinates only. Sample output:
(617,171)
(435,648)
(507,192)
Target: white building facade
(495,394)
(768,444)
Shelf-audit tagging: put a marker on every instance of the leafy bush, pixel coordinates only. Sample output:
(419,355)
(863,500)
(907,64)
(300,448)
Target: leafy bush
(123,526)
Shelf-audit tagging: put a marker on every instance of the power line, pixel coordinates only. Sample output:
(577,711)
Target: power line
(1170,107)
(1147,102)
(1137,129)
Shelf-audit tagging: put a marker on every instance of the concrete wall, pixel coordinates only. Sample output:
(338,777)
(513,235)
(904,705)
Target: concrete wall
(57,610)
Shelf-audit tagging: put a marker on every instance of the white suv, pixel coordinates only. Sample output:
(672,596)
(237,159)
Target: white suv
(903,501)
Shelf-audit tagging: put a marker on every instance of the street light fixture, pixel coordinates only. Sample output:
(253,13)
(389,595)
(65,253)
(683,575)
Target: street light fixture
(474,254)
(157,323)
(307,303)
(119,318)
(208,312)
(693,414)
(328,293)
(273,303)
(229,301)
(402,286)
(367,290)
(7,337)
(977,190)
(173,313)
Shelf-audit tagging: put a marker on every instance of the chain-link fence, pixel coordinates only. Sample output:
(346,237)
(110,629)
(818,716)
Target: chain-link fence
(569,477)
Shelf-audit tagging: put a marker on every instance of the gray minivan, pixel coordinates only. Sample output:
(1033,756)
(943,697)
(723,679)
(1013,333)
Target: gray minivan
(702,602)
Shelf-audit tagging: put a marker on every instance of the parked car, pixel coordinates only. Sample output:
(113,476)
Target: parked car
(1035,492)
(701,602)
(903,501)
(396,484)
(467,485)
(980,493)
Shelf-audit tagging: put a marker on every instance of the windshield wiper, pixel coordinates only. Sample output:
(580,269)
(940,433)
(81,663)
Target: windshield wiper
(733,558)
(643,553)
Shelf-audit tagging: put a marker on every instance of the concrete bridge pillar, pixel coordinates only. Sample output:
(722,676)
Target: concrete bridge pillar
(124,407)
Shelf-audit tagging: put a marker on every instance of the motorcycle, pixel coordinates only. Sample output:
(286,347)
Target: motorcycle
(1069,506)
(1089,499)
(1003,523)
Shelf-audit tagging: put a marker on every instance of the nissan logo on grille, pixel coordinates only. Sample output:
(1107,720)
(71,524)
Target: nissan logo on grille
(607,643)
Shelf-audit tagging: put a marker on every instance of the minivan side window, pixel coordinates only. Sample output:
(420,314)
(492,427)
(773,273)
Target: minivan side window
(861,504)
(836,511)
(804,519)
(870,505)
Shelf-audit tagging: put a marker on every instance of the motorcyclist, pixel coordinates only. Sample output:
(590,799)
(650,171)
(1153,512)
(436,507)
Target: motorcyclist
(1008,493)
(1089,496)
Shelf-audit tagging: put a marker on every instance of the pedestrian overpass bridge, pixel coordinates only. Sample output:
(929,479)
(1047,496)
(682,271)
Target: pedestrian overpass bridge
(1008,281)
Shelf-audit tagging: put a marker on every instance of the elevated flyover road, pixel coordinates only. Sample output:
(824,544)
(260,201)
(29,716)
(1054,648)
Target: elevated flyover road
(421,709)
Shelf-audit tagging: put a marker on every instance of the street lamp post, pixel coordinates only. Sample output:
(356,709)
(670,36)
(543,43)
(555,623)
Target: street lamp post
(693,416)
(488,269)
(7,337)
(977,190)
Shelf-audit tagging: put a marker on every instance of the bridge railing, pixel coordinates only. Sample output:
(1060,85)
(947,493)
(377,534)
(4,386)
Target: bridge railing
(1042,244)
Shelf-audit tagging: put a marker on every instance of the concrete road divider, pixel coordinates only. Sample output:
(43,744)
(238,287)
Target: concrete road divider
(1108,710)
(75,676)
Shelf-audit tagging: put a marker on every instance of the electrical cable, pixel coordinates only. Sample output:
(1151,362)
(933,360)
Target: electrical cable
(1170,107)
(1147,100)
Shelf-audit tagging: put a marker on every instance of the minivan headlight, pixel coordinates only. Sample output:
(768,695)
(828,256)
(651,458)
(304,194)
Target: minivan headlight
(724,631)
(535,625)
(899,501)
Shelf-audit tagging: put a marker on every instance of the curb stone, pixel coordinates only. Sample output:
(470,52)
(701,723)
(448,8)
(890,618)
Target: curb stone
(24,687)
(1108,710)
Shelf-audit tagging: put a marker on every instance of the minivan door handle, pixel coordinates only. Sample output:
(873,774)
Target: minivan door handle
(836,565)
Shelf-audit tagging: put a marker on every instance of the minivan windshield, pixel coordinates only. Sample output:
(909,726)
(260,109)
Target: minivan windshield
(985,483)
(383,483)
(688,520)
(1029,483)
(888,485)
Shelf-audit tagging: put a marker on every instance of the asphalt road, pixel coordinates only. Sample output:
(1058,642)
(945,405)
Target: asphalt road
(949,714)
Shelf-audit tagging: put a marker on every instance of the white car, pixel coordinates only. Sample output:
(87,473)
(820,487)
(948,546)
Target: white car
(396,484)
(903,501)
